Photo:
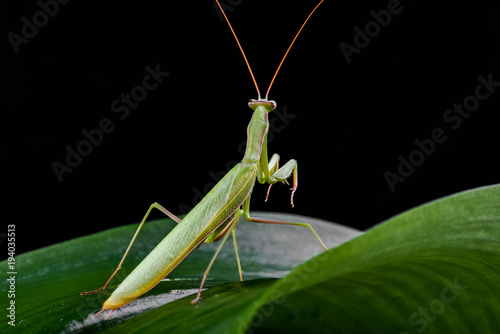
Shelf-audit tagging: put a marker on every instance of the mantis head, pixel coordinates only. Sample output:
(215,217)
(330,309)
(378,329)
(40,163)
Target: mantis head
(269,105)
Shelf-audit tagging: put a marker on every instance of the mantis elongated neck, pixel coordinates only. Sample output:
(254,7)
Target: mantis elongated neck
(257,129)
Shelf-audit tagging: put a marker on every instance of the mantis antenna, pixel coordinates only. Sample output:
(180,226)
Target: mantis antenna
(282,60)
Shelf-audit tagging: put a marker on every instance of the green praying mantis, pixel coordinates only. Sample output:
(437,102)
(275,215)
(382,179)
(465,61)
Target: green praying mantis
(218,212)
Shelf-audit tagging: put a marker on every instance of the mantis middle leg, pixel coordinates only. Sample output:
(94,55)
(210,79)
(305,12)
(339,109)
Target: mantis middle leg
(246,214)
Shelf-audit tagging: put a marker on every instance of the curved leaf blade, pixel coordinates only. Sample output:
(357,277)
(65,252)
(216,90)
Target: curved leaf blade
(434,268)
(49,280)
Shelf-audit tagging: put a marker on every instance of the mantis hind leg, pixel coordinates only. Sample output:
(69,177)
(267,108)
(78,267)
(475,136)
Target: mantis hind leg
(229,226)
(153,206)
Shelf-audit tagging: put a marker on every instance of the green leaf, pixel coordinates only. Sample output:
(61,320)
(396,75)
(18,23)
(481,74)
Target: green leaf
(433,269)
(49,280)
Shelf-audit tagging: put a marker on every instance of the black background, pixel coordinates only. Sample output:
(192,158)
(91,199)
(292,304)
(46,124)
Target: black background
(352,120)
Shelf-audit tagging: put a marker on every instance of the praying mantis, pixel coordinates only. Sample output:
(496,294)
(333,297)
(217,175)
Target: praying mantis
(218,212)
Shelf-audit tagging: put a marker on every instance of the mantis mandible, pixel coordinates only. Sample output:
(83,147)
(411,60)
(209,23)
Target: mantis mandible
(218,212)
